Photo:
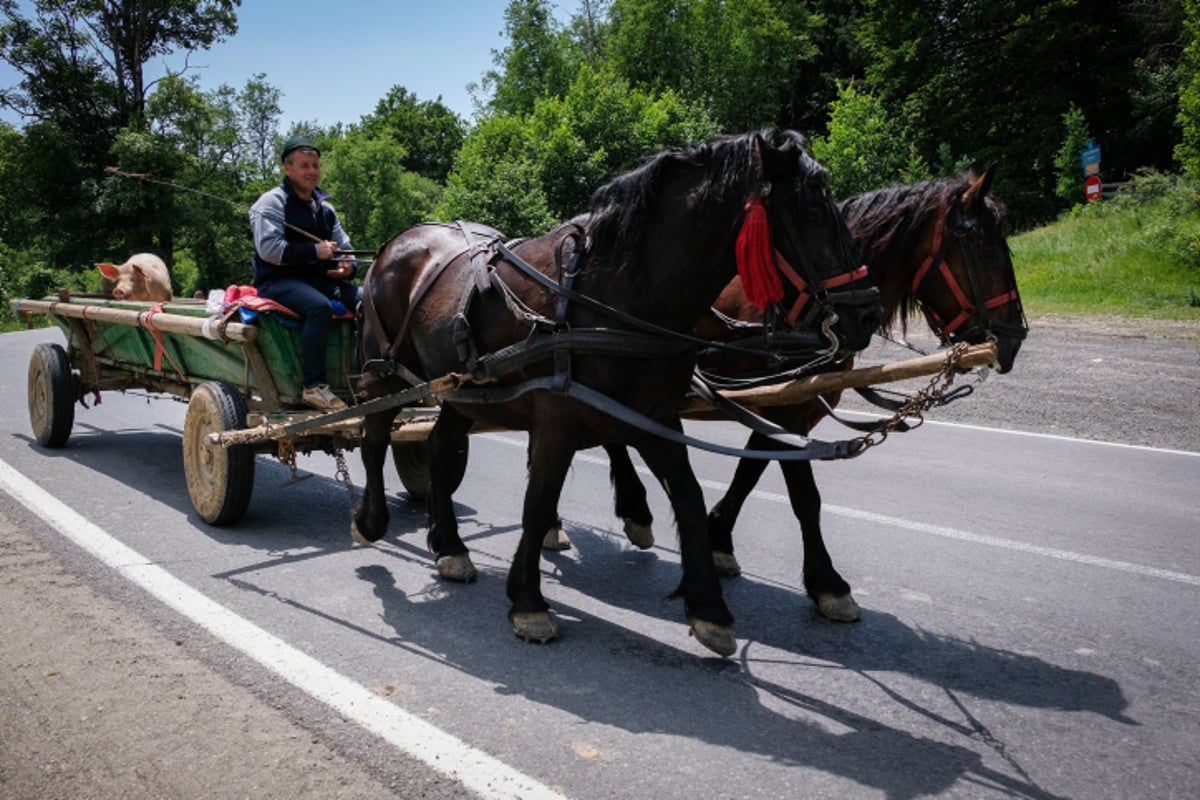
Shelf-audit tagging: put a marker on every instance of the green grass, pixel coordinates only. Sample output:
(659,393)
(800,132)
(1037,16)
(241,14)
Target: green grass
(1137,255)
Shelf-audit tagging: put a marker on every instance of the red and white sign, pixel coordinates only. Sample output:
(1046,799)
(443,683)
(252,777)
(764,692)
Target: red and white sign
(1092,188)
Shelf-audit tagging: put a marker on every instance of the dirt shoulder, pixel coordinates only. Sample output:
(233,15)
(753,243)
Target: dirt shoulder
(97,701)
(1129,327)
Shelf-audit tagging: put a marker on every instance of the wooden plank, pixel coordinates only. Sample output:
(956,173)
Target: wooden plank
(802,389)
(203,327)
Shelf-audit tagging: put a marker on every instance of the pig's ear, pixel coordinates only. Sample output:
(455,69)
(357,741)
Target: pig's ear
(108,270)
(138,269)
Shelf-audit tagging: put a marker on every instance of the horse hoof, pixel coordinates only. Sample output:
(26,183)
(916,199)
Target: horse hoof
(556,539)
(727,565)
(718,638)
(642,536)
(362,538)
(534,626)
(838,609)
(457,568)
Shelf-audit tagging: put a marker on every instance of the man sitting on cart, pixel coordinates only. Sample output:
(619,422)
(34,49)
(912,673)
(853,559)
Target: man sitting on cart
(296,240)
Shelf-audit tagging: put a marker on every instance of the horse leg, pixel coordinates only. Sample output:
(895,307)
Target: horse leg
(630,501)
(724,514)
(370,521)
(447,464)
(556,536)
(630,497)
(825,586)
(548,465)
(704,604)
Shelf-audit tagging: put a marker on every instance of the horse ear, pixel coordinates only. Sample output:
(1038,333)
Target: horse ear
(980,186)
(771,161)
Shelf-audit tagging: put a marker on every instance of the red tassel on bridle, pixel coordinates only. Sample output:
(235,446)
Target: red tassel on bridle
(756,257)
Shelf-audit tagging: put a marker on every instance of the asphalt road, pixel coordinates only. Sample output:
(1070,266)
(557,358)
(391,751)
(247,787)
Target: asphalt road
(1027,627)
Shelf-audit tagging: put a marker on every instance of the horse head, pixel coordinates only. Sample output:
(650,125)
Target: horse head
(967,286)
(939,247)
(824,281)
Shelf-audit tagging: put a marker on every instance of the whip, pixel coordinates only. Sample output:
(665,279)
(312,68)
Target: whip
(148,178)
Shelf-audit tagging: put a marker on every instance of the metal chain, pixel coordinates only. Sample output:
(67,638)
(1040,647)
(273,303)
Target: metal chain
(343,474)
(286,453)
(913,409)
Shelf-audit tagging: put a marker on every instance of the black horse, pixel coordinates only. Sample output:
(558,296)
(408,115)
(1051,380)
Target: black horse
(937,248)
(563,334)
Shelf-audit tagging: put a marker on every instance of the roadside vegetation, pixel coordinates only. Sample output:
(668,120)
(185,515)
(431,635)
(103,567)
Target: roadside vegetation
(109,161)
(1135,255)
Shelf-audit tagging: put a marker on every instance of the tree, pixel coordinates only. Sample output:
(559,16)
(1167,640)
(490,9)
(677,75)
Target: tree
(376,197)
(496,180)
(524,174)
(738,59)
(535,63)
(992,80)
(588,30)
(1066,163)
(1187,151)
(258,113)
(428,133)
(838,59)
(865,148)
(203,170)
(82,88)
(102,46)
(600,128)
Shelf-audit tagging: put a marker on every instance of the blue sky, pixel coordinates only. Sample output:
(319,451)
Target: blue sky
(333,61)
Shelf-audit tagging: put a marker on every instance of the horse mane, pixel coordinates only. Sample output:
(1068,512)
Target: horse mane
(889,221)
(620,209)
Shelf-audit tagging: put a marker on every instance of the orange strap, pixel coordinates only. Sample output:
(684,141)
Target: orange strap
(159,349)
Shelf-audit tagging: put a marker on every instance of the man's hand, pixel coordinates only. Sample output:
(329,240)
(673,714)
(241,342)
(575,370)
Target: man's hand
(343,270)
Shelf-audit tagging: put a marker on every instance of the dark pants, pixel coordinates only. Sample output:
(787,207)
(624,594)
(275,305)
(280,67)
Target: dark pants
(312,303)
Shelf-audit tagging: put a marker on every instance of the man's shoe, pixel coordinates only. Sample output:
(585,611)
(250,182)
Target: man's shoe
(322,399)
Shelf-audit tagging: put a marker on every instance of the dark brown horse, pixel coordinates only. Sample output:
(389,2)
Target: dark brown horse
(555,334)
(937,248)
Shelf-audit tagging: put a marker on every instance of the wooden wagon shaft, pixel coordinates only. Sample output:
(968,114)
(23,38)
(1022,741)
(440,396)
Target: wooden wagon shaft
(802,389)
(204,327)
(417,428)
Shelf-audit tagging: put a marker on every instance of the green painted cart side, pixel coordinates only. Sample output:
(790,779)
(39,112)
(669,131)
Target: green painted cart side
(174,347)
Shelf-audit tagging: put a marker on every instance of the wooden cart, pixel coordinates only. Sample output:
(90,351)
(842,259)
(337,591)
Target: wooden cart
(234,376)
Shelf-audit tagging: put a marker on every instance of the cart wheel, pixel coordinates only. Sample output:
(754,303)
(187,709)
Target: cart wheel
(51,395)
(412,465)
(219,479)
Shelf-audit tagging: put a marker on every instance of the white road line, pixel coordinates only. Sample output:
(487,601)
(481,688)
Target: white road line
(937,530)
(441,751)
(1032,435)
(996,541)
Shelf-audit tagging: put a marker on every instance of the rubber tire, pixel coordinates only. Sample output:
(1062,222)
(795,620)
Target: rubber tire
(220,480)
(51,395)
(412,465)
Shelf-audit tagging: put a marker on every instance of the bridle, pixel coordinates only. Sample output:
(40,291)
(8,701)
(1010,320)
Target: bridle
(813,293)
(975,308)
